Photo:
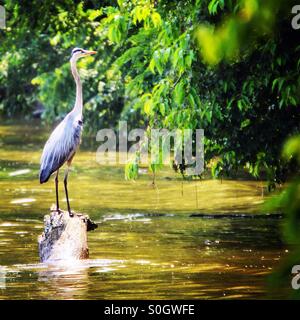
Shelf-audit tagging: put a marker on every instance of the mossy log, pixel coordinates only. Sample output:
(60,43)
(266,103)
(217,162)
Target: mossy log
(65,237)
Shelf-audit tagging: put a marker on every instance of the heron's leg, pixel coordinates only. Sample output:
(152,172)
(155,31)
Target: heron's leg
(56,189)
(66,190)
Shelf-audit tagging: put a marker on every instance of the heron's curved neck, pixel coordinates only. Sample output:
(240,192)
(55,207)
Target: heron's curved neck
(78,102)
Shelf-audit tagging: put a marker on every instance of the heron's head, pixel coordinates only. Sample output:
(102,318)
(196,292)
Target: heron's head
(78,53)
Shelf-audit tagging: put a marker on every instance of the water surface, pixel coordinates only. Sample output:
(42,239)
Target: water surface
(147,245)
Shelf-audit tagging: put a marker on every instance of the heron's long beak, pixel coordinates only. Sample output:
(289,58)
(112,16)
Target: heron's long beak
(87,52)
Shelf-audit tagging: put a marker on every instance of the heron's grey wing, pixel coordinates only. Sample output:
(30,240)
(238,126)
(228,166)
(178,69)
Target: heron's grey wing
(60,147)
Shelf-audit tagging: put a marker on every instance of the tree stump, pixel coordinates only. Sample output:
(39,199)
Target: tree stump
(65,237)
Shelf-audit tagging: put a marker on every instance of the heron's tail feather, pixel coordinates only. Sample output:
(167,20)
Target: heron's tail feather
(44,175)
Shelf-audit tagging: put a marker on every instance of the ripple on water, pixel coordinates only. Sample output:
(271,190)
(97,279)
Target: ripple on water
(23,201)
(19,172)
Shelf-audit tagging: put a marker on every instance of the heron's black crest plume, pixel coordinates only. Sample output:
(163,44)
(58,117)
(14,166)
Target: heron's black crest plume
(76,50)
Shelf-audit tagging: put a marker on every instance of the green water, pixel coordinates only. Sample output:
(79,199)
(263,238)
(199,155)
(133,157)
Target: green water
(147,244)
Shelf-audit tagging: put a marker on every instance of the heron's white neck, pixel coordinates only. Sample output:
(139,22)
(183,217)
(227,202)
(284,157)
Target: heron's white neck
(78,101)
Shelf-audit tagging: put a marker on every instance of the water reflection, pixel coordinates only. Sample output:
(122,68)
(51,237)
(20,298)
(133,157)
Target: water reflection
(71,280)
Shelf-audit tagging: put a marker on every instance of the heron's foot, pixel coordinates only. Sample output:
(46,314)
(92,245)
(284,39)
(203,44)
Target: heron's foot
(71,214)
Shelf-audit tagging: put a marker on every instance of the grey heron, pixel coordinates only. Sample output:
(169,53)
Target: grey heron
(65,139)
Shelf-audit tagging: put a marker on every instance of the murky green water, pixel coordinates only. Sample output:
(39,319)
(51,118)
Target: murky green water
(147,244)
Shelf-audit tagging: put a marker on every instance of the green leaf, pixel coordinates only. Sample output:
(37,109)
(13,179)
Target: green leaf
(179,93)
(240,104)
(131,171)
(213,6)
(292,148)
(152,66)
(156,19)
(191,100)
(195,96)
(148,107)
(245,123)
(162,109)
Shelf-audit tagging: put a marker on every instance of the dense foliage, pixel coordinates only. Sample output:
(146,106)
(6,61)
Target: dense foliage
(228,67)
(288,201)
